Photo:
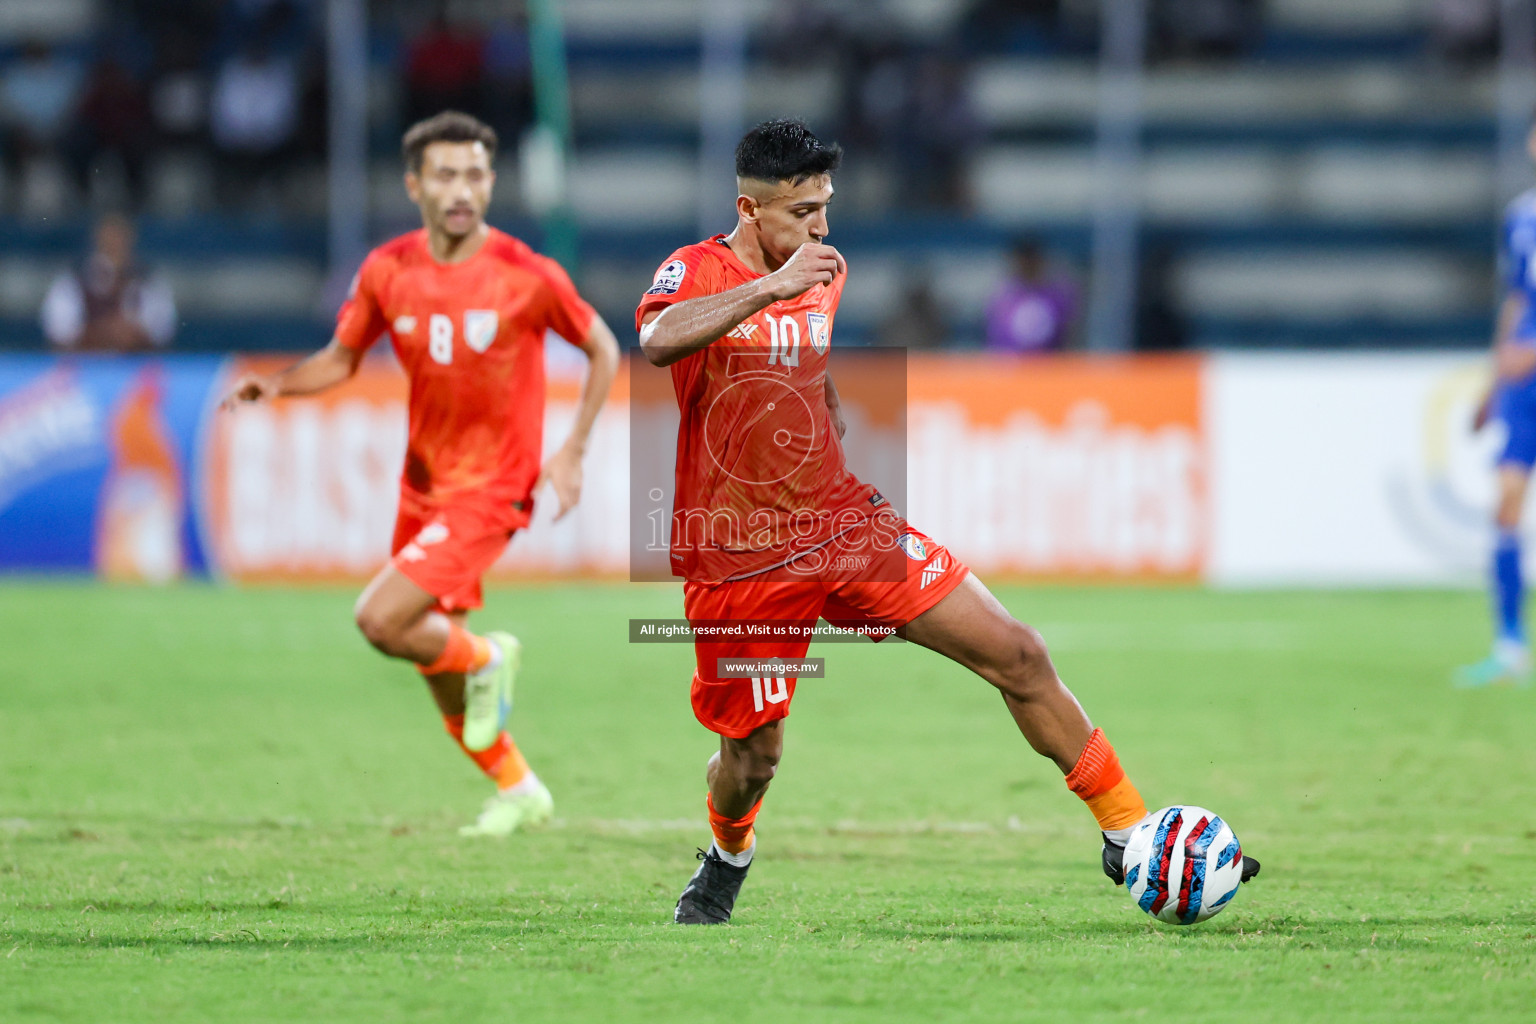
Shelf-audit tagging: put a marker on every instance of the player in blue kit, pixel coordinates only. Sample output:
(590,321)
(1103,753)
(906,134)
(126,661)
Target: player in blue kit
(1512,400)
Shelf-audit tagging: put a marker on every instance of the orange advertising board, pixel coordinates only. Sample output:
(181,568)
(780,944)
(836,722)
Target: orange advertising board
(1075,467)
(1069,468)
(305,489)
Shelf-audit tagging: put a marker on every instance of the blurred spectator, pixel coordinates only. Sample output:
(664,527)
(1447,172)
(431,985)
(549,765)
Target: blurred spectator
(1464,33)
(508,100)
(877,84)
(917,321)
(1205,29)
(109,303)
(38,94)
(254,118)
(178,89)
(282,24)
(1033,311)
(113,121)
(444,70)
(1008,23)
(797,33)
(940,134)
(1160,325)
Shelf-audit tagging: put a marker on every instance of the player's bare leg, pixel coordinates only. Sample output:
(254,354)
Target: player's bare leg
(970,626)
(738,776)
(396,616)
(399,618)
(1510,660)
(470,679)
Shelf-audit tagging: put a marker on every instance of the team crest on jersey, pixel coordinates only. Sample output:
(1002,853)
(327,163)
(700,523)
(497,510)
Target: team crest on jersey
(479,328)
(912,544)
(404,325)
(821,335)
(668,279)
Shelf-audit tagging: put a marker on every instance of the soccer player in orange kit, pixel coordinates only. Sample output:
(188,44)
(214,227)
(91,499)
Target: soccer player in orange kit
(466,308)
(770,528)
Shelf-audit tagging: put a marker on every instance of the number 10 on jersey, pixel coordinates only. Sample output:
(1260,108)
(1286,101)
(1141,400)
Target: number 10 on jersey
(783,340)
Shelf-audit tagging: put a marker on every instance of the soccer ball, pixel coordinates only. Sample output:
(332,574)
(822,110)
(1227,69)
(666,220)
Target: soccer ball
(1182,864)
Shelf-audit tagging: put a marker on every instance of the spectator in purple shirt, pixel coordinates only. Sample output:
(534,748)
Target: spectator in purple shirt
(1033,311)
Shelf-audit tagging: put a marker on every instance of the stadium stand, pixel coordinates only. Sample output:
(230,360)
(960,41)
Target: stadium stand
(1316,174)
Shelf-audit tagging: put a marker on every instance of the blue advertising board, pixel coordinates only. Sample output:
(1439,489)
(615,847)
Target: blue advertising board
(95,457)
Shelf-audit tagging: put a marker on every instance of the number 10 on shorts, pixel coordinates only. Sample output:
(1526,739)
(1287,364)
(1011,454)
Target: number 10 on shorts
(770,690)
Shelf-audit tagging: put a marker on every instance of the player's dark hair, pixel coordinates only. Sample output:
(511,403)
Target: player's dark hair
(785,150)
(449,126)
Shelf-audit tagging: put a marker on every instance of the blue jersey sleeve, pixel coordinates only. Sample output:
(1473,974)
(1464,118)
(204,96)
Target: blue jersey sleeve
(1517,246)
(1517,262)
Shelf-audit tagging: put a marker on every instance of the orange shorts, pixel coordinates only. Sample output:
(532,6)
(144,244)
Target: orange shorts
(914,577)
(446,549)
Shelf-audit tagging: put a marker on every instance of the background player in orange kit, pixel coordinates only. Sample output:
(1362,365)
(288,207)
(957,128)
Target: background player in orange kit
(763,496)
(467,308)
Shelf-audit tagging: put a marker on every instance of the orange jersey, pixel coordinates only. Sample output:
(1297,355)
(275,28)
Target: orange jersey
(470,337)
(760,472)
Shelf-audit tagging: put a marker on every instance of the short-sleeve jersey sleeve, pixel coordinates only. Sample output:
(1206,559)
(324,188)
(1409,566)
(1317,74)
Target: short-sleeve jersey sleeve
(360,321)
(567,313)
(1517,244)
(686,274)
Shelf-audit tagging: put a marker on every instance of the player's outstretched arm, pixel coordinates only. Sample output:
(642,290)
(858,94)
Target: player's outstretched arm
(688,326)
(325,369)
(563,469)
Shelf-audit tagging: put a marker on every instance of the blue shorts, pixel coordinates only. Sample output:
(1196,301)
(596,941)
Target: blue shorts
(1516,406)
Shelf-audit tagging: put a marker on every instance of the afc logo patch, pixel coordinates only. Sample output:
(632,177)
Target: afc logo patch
(821,334)
(668,279)
(480,328)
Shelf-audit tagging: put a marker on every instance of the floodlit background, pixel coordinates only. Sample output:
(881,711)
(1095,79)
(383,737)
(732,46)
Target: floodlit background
(1223,180)
(1195,299)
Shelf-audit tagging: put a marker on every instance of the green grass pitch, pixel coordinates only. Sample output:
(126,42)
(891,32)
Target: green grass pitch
(219,805)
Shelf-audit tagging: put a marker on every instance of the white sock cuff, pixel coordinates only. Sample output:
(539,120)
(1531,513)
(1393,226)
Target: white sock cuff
(527,784)
(1119,836)
(739,860)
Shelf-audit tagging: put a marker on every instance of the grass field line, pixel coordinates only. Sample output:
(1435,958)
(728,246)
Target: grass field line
(629,826)
(842,826)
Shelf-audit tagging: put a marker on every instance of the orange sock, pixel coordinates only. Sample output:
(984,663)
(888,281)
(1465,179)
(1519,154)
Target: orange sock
(502,762)
(1101,783)
(464,652)
(733,835)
